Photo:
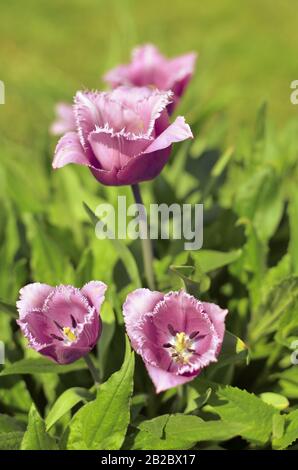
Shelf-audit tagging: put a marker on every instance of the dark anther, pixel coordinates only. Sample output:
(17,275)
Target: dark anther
(167,345)
(191,350)
(56,337)
(201,337)
(174,355)
(73,321)
(171,330)
(58,326)
(193,334)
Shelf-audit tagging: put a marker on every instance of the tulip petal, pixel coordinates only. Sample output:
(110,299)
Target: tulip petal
(150,163)
(148,67)
(137,304)
(62,354)
(176,132)
(95,293)
(32,297)
(89,330)
(217,315)
(69,150)
(164,380)
(88,114)
(180,71)
(112,150)
(38,328)
(66,302)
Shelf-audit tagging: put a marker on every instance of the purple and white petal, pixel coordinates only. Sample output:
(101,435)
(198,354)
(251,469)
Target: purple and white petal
(70,150)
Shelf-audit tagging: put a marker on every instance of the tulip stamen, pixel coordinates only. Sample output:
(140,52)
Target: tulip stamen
(180,347)
(56,337)
(69,334)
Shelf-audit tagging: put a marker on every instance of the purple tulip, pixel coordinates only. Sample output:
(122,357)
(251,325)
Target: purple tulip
(65,120)
(63,322)
(123,136)
(175,334)
(149,67)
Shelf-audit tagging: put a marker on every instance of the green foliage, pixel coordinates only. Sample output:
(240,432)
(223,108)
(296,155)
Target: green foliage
(180,432)
(102,423)
(243,408)
(70,398)
(40,366)
(36,437)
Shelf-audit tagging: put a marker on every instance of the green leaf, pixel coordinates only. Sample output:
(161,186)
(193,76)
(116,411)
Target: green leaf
(65,403)
(290,434)
(11,440)
(48,261)
(247,410)
(84,268)
(288,381)
(124,253)
(293,218)
(102,424)
(192,268)
(9,424)
(195,400)
(210,260)
(40,366)
(36,437)
(192,280)
(14,394)
(173,432)
(275,399)
(108,326)
(282,298)
(259,200)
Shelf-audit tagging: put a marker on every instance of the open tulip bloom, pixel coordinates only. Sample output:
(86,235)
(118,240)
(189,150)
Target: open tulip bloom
(63,322)
(175,334)
(149,67)
(124,136)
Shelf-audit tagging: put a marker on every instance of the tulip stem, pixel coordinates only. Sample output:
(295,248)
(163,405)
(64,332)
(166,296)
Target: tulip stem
(146,242)
(92,369)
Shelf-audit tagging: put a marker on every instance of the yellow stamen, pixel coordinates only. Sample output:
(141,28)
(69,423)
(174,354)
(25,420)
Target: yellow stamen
(181,353)
(181,342)
(69,334)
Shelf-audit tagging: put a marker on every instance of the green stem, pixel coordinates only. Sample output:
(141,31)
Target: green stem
(146,242)
(92,369)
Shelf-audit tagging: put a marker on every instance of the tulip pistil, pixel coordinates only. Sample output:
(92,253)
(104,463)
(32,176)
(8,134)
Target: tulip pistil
(180,348)
(69,334)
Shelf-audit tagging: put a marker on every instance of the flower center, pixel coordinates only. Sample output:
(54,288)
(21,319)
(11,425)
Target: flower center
(69,334)
(180,348)
(181,342)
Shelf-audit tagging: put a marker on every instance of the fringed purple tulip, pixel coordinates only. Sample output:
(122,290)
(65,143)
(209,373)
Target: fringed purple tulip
(149,67)
(175,334)
(63,322)
(123,136)
(65,120)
